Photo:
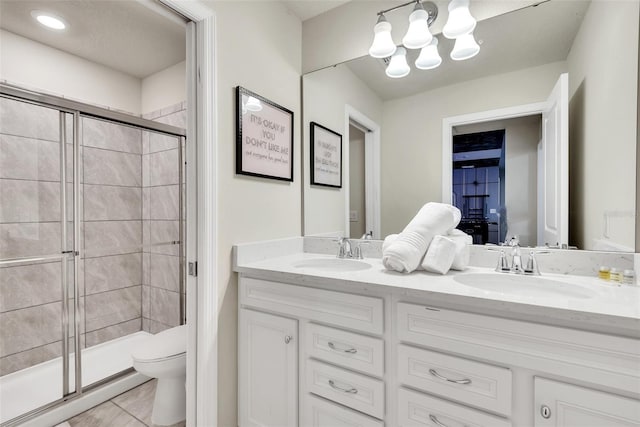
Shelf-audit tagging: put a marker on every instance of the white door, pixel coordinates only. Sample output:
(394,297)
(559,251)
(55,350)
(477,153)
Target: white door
(553,168)
(268,370)
(565,405)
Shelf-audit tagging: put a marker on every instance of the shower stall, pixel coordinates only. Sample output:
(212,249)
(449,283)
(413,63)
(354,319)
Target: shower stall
(91,244)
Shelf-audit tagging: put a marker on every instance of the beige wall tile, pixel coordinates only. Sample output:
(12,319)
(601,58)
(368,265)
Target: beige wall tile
(112,203)
(112,332)
(29,120)
(164,202)
(29,239)
(111,167)
(165,272)
(29,285)
(30,327)
(112,307)
(29,201)
(164,306)
(111,237)
(112,272)
(111,136)
(26,158)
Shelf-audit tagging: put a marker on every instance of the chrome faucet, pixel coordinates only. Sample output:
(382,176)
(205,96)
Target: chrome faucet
(345,249)
(516,265)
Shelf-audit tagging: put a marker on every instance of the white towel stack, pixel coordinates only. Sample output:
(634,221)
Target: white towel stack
(405,252)
(462,241)
(440,255)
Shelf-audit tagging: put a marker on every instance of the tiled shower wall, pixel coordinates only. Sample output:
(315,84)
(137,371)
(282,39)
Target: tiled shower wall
(160,290)
(128,195)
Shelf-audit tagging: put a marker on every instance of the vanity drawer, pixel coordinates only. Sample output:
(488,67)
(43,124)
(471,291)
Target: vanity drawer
(473,383)
(318,412)
(356,391)
(353,351)
(609,360)
(416,409)
(335,308)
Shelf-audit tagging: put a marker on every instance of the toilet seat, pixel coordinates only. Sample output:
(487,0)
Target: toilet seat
(168,344)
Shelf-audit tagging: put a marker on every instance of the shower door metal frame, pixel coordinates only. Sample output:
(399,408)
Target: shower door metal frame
(79,110)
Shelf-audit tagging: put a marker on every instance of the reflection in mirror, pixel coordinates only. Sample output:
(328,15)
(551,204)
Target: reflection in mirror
(522,58)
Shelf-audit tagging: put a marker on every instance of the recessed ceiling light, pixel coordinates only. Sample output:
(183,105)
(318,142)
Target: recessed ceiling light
(48,20)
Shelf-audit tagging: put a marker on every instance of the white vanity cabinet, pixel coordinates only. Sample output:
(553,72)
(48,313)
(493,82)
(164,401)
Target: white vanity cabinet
(360,356)
(268,370)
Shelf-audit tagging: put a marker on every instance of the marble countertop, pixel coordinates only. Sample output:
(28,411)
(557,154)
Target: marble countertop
(610,308)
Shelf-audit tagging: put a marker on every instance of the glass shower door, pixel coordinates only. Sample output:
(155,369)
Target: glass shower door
(36,256)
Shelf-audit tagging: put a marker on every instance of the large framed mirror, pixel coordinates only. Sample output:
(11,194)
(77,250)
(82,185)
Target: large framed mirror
(396,132)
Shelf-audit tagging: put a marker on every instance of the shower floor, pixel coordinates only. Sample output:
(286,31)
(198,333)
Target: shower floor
(36,386)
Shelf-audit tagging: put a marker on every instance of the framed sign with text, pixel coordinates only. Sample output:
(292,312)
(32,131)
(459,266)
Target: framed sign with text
(326,156)
(264,137)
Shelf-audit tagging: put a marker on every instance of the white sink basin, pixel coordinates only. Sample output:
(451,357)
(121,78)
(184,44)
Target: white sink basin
(332,264)
(525,286)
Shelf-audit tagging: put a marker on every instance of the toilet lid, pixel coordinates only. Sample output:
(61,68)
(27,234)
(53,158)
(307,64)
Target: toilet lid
(168,343)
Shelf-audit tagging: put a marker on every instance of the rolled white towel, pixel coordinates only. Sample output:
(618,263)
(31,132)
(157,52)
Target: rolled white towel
(440,255)
(388,240)
(405,253)
(462,241)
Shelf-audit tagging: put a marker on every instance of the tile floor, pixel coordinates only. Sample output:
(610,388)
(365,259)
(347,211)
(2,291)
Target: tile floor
(130,409)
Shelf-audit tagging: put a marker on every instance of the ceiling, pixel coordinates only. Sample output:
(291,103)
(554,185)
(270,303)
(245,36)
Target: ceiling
(307,9)
(521,39)
(135,37)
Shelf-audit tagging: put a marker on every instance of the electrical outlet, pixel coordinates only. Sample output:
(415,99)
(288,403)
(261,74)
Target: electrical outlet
(353,216)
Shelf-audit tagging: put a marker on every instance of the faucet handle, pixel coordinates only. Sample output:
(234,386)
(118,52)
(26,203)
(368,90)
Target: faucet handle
(532,264)
(503,263)
(357,251)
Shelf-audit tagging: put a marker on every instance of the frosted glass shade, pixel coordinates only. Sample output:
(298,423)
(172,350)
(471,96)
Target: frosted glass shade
(429,57)
(398,66)
(465,48)
(460,21)
(253,104)
(383,45)
(418,34)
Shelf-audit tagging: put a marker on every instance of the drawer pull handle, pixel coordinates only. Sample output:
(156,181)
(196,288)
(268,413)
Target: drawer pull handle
(436,421)
(437,375)
(345,390)
(332,346)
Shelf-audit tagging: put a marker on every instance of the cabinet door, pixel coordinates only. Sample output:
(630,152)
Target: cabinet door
(268,370)
(563,405)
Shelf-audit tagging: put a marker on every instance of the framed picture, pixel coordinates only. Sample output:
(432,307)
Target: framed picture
(264,137)
(326,156)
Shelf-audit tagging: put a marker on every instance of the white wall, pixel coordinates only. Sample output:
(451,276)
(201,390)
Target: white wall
(346,32)
(39,67)
(164,88)
(522,136)
(412,134)
(326,93)
(603,88)
(258,47)
(357,182)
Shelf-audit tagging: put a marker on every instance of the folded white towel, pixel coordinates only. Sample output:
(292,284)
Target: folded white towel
(462,241)
(406,251)
(440,255)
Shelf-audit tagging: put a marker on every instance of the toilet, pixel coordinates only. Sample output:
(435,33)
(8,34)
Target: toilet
(163,356)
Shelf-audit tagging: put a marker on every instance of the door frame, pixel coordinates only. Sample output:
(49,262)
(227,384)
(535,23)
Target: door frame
(202,217)
(448,123)
(371,169)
